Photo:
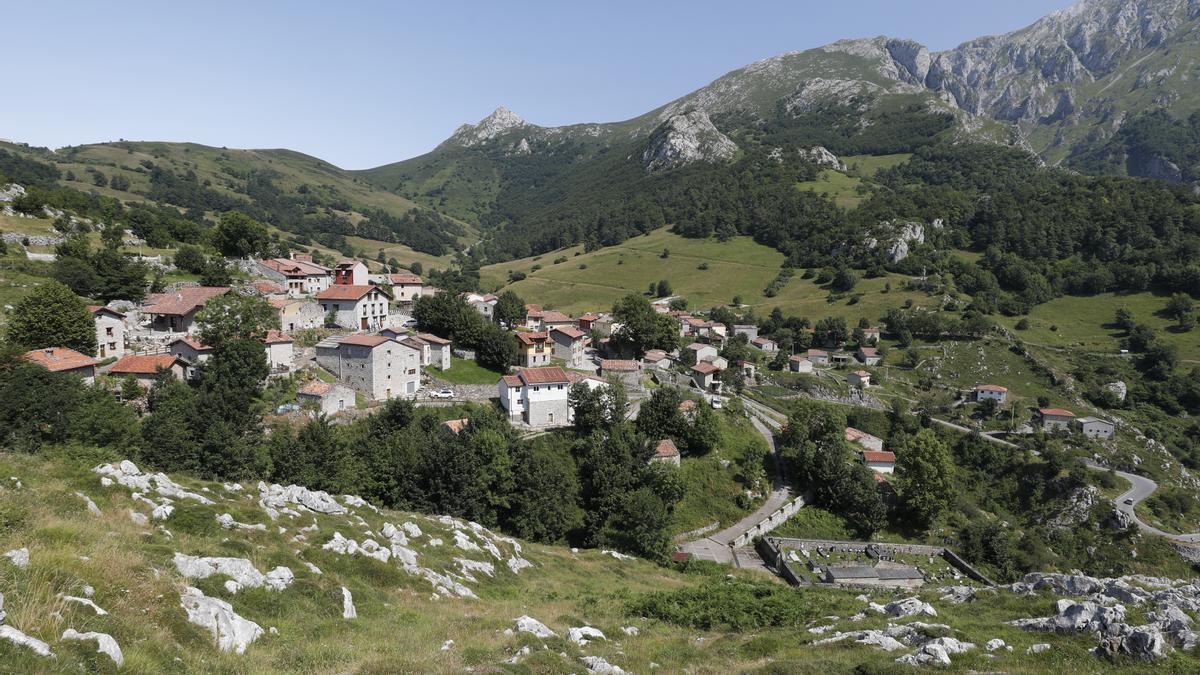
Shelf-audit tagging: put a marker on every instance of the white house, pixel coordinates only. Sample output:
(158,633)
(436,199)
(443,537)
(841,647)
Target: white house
(800,364)
(110,332)
(299,273)
(146,367)
(176,312)
(439,351)
(376,365)
(536,397)
(351,273)
(702,352)
(879,461)
(765,344)
(656,359)
(706,376)
(748,329)
(192,351)
(405,288)
(328,397)
(983,392)
(869,356)
(485,303)
(64,360)
(859,378)
(281,352)
(1094,427)
(298,314)
(1056,419)
(356,307)
(818,357)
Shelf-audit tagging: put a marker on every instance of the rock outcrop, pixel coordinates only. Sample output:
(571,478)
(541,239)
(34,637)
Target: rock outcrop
(231,632)
(685,139)
(821,156)
(105,644)
(501,121)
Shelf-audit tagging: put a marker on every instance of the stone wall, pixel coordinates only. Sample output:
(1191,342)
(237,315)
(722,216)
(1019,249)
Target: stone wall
(779,517)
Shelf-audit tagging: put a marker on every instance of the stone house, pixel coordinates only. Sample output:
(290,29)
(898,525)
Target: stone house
(570,345)
(552,319)
(1094,427)
(329,398)
(701,352)
(110,332)
(818,357)
(147,367)
(800,364)
(351,273)
(871,335)
(536,397)
(720,362)
(299,274)
(357,307)
(748,329)
(881,575)
(281,351)
(192,352)
(64,360)
(765,344)
(984,392)
(859,378)
(376,365)
(534,350)
(1055,419)
(868,356)
(405,288)
(601,324)
(437,351)
(705,376)
(879,461)
(176,312)
(666,452)
(656,359)
(485,304)
(628,372)
(298,314)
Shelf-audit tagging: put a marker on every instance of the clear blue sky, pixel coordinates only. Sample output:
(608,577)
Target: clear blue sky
(365,83)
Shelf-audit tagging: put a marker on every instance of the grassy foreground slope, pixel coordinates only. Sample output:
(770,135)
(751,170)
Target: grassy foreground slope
(738,267)
(707,624)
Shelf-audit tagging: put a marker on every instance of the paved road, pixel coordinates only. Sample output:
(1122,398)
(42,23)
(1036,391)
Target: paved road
(716,547)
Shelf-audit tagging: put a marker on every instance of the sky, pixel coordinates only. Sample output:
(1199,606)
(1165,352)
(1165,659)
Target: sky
(362,84)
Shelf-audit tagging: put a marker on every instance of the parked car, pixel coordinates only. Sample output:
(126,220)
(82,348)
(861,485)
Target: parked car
(715,403)
(441,393)
(411,323)
(1129,502)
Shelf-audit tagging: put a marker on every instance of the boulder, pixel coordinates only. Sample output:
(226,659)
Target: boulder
(821,156)
(1076,617)
(129,475)
(1145,643)
(994,644)
(239,569)
(930,654)
(231,632)
(584,634)
(348,610)
(528,624)
(1039,648)
(22,640)
(18,557)
(951,645)
(598,666)
(105,644)
(86,603)
(906,607)
(278,497)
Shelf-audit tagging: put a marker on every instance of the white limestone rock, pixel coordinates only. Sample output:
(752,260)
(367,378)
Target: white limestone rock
(22,640)
(105,644)
(226,521)
(528,624)
(138,518)
(925,656)
(994,644)
(18,557)
(239,569)
(91,505)
(630,630)
(1039,648)
(279,498)
(599,666)
(348,610)
(86,603)
(231,632)
(584,634)
(821,156)
(684,139)
(129,475)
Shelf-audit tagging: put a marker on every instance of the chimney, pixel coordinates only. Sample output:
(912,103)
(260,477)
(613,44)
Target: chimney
(49,351)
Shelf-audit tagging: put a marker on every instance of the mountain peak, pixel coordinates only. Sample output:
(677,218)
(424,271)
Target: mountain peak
(500,121)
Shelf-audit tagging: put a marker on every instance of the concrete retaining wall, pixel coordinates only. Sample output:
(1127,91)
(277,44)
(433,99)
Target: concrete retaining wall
(771,550)
(769,523)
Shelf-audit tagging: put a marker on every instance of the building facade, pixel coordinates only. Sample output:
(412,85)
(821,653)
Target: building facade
(536,397)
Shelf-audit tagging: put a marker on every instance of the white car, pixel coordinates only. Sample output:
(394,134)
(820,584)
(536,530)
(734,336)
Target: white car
(715,403)
(411,323)
(441,393)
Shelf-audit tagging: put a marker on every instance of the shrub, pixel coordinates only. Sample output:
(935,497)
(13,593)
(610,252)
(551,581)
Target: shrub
(734,604)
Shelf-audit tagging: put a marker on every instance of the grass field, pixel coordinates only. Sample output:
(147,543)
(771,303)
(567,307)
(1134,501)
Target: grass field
(738,267)
(465,371)
(842,188)
(713,489)
(866,166)
(1084,323)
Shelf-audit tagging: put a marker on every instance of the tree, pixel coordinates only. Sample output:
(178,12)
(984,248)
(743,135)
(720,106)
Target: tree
(703,434)
(597,409)
(641,327)
(510,309)
(831,331)
(168,431)
(131,390)
(1123,318)
(35,404)
(101,420)
(925,471)
(416,268)
(238,235)
(495,348)
(844,280)
(662,289)
(118,276)
(216,272)
(113,236)
(544,505)
(659,416)
(233,316)
(1182,309)
(51,316)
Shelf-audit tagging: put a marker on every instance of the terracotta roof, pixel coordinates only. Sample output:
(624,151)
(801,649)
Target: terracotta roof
(589,317)
(854,435)
(511,381)
(362,340)
(570,331)
(551,316)
(990,387)
(342,264)
(528,339)
(687,405)
(874,456)
(872,329)
(705,368)
(455,426)
(316,388)
(797,358)
(550,375)
(430,337)
(868,351)
(817,352)
(346,292)
(761,340)
(530,307)
(619,365)
(278,303)
(666,449)
(697,346)
(58,359)
(183,301)
(96,309)
(295,267)
(277,337)
(655,355)
(191,342)
(861,373)
(143,364)
(267,287)
(404,278)
(1056,412)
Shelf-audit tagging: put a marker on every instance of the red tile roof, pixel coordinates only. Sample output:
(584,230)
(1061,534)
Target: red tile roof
(655,355)
(431,338)
(619,365)
(873,456)
(510,381)
(530,307)
(279,303)
(761,340)
(1056,412)
(697,346)
(404,278)
(267,287)
(555,317)
(666,449)
(362,340)
(797,358)
(277,337)
(550,375)
(570,331)
(589,317)
(295,267)
(316,388)
(96,309)
(191,342)
(346,292)
(455,426)
(868,351)
(705,368)
(990,387)
(58,359)
(854,435)
(817,352)
(861,373)
(143,364)
(183,301)
(530,339)
(687,405)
